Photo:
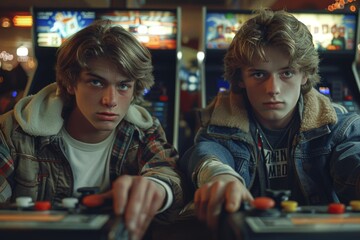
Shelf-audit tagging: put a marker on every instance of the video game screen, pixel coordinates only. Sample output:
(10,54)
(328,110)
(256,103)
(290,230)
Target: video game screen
(331,31)
(221,27)
(52,27)
(156,29)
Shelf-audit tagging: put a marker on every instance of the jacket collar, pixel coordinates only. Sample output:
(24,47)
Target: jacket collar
(228,110)
(40,114)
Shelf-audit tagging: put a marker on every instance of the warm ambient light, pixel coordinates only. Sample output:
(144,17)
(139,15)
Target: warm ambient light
(22,21)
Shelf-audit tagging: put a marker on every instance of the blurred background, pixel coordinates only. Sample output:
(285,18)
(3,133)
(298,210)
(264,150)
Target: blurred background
(187,38)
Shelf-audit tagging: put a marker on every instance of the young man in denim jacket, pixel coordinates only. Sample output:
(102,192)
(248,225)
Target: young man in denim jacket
(86,130)
(273,130)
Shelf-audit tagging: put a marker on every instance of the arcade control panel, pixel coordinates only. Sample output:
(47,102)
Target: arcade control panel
(267,219)
(71,219)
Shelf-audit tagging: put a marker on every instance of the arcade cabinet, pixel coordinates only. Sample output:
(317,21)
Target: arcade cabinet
(335,37)
(219,28)
(159,31)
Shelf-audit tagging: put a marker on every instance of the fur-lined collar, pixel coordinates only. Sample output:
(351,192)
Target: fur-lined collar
(228,110)
(40,114)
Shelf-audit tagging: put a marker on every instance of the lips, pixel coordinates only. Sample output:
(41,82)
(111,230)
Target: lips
(273,105)
(107,116)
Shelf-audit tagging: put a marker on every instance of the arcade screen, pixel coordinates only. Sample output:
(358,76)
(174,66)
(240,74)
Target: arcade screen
(332,32)
(156,29)
(52,27)
(221,27)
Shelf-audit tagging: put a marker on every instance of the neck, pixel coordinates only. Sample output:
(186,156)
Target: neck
(276,124)
(80,129)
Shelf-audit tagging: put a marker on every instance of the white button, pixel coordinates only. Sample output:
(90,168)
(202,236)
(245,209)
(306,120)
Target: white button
(70,202)
(24,202)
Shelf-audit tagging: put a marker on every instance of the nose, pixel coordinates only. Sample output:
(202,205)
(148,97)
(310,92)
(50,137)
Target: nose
(273,85)
(109,97)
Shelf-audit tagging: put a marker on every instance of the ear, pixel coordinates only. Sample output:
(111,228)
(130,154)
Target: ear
(241,84)
(70,90)
(304,80)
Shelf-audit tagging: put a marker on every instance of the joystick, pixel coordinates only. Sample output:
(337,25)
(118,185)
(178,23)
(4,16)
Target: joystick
(279,196)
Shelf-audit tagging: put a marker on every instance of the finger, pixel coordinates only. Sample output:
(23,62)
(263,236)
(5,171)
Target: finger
(201,202)
(146,217)
(135,200)
(141,229)
(232,197)
(236,193)
(121,187)
(153,199)
(215,204)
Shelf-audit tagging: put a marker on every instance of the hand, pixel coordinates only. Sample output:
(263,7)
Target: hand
(137,199)
(224,191)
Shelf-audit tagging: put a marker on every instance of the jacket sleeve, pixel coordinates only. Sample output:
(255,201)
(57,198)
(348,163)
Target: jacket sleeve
(206,159)
(345,160)
(160,162)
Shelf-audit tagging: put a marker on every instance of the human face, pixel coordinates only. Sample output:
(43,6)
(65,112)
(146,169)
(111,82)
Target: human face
(273,88)
(103,96)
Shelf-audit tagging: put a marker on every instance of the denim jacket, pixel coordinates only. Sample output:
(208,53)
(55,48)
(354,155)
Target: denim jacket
(32,161)
(325,150)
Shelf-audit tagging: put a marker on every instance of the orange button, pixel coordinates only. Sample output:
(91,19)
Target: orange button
(263,203)
(42,205)
(336,208)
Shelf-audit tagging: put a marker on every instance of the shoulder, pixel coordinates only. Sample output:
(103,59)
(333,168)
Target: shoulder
(317,111)
(226,110)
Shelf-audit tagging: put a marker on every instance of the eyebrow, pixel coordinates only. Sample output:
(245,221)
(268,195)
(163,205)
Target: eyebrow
(259,69)
(98,76)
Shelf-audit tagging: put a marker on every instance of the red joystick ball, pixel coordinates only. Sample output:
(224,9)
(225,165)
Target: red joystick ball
(336,208)
(263,203)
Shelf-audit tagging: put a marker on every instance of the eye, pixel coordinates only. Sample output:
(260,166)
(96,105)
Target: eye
(124,86)
(258,75)
(96,82)
(287,74)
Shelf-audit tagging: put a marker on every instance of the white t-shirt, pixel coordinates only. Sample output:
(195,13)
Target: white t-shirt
(90,164)
(89,161)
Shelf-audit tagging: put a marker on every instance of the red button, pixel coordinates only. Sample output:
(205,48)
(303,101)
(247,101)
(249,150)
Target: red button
(263,203)
(93,200)
(336,208)
(42,205)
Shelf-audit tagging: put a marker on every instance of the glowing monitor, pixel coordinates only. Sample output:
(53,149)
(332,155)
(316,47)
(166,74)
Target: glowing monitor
(52,27)
(156,29)
(221,27)
(332,31)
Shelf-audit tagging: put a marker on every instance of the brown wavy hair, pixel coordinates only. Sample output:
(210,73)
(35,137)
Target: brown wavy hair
(277,29)
(103,39)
